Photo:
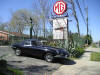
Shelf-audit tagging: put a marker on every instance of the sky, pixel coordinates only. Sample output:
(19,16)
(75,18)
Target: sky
(9,6)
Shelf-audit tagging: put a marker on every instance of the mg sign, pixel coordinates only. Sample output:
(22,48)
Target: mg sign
(59,7)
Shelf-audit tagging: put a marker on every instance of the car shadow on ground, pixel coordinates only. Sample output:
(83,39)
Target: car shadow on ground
(40,69)
(36,70)
(88,51)
(62,61)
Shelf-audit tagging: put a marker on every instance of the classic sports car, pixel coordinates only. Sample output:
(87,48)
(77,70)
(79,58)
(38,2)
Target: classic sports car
(36,48)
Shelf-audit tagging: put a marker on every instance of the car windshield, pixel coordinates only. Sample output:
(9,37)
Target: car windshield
(39,43)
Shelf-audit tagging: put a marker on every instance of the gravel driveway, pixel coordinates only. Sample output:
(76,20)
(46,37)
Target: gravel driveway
(30,65)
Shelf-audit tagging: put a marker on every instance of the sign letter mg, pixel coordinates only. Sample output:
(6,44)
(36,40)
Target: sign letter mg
(59,7)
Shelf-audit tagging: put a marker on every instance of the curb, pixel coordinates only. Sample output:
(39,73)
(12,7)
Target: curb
(4,46)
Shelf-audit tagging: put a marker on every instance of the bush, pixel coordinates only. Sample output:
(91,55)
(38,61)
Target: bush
(77,52)
(4,42)
(54,43)
(15,71)
(89,39)
(51,44)
(3,64)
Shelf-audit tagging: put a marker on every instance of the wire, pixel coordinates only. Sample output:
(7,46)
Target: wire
(81,11)
(84,3)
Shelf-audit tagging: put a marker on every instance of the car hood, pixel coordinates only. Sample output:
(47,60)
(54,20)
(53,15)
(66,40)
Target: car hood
(50,48)
(54,48)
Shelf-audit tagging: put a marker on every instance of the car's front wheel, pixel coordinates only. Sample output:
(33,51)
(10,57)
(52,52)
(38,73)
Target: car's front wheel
(49,57)
(18,52)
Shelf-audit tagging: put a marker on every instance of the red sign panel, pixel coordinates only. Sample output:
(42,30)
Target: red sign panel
(59,7)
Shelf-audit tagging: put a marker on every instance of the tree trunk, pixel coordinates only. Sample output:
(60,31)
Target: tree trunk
(44,29)
(31,32)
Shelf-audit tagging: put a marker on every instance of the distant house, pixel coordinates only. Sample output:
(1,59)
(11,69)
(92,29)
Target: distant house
(98,44)
(6,36)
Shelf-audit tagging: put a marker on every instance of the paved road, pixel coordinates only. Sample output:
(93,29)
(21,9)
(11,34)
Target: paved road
(83,66)
(29,64)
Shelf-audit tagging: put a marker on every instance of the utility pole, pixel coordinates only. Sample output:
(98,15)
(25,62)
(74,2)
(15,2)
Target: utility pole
(66,32)
(31,28)
(87,23)
(87,20)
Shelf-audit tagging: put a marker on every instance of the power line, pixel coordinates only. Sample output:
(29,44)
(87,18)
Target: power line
(84,3)
(81,11)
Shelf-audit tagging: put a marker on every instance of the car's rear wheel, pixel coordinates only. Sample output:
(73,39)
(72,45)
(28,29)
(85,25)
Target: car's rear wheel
(49,57)
(18,52)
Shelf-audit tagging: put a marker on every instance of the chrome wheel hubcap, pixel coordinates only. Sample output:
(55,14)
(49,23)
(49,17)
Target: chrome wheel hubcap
(18,52)
(49,58)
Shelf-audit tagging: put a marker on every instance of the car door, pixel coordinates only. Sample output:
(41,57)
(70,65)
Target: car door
(30,47)
(33,48)
(37,49)
(27,47)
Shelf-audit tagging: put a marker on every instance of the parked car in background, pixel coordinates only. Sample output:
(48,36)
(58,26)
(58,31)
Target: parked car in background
(36,48)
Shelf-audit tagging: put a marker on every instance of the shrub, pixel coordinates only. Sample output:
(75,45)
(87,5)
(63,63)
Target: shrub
(3,64)
(15,71)
(52,44)
(77,52)
(89,38)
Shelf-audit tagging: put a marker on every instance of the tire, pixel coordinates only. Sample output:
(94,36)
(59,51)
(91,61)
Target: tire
(18,52)
(49,57)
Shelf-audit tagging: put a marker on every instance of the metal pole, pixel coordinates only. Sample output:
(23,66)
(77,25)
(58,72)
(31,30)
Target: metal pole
(66,35)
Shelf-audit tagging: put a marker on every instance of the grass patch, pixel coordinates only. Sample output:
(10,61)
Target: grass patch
(95,56)
(94,45)
(16,71)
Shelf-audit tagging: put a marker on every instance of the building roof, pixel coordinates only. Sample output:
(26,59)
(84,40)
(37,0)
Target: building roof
(5,32)
(14,34)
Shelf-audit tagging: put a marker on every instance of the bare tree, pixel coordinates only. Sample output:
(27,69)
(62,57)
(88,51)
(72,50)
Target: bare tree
(72,7)
(19,20)
(2,26)
(24,18)
(75,16)
(44,12)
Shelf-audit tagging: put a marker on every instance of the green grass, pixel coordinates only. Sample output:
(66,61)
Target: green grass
(95,56)
(94,46)
(16,71)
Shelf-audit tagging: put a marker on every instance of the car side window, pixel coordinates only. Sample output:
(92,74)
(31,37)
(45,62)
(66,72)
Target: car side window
(34,43)
(27,43)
